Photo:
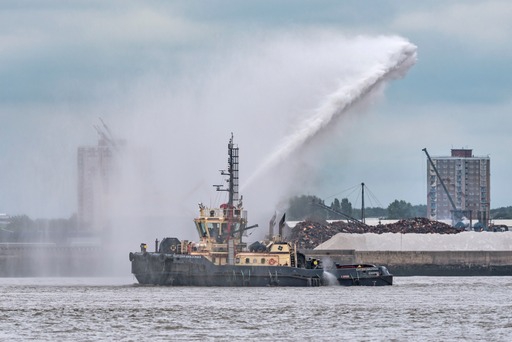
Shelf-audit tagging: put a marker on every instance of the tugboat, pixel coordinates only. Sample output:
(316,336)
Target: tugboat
(221,258)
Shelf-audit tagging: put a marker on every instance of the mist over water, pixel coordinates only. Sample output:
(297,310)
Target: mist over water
(279,93)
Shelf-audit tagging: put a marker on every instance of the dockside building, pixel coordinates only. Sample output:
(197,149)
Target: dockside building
(466,191)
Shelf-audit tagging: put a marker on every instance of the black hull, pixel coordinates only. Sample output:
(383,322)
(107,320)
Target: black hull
(383,280)
(189,270)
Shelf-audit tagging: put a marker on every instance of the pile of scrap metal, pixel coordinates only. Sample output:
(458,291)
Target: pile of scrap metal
(418,225)
(309,234)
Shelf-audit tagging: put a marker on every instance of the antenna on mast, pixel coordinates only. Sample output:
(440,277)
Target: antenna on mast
(232,172)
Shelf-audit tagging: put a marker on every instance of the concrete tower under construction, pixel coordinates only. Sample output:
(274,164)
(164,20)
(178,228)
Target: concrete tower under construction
(96,166)
(466,189)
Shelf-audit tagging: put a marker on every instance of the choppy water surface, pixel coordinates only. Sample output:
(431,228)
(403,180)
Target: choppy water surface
(416,308)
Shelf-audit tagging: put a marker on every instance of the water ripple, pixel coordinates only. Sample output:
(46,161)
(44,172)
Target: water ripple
(416,308)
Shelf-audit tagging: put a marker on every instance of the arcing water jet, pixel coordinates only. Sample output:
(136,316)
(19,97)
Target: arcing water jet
(396,64)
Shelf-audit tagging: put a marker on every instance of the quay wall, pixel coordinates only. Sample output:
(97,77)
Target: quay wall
(426,263)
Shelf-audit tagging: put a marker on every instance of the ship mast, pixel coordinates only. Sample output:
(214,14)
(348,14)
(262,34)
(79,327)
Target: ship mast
(232,172)
(232,181)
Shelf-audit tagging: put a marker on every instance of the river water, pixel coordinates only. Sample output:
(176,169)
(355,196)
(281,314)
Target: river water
(116,309)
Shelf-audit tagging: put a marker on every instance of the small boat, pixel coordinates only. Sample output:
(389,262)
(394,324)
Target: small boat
(221,258)
(365,274)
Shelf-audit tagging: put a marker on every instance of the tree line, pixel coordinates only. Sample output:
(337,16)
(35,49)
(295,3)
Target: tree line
(313,207)
(23,228)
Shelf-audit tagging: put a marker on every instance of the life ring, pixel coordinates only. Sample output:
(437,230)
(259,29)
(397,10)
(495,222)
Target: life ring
(173,248)
(272,262)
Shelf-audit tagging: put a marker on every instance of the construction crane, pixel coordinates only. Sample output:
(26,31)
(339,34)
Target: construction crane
(455,209)
(359,223)
(106,135)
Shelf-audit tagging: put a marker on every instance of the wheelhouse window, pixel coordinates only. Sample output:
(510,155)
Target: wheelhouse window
(213,228)
(235,226)
(201,228)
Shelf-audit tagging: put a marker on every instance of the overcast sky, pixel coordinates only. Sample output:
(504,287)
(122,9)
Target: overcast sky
(175,78)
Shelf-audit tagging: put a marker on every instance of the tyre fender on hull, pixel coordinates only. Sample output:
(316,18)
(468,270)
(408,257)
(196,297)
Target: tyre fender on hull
(131,256)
